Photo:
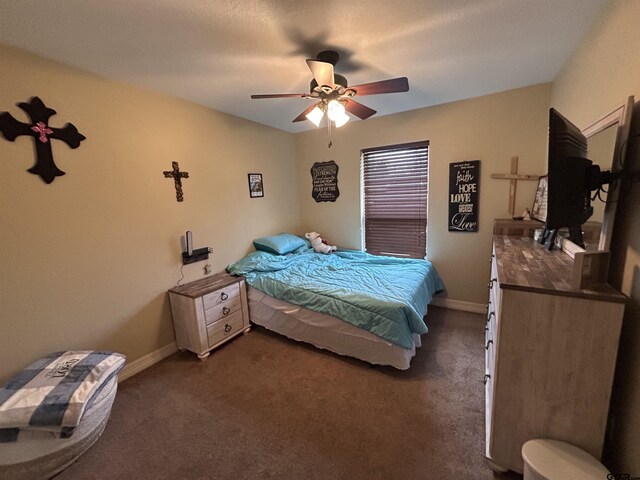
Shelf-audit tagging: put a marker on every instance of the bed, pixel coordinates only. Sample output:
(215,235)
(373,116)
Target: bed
(349,302)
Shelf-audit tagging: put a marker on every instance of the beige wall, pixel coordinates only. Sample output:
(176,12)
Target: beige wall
(87,260)
(491,128)
(599,77)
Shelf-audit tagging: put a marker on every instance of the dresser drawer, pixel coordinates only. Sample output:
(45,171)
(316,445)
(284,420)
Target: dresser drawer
(226,327)
(494,309)
(488,405)
(221,296)
(490,353)
(495,293)
(222,310)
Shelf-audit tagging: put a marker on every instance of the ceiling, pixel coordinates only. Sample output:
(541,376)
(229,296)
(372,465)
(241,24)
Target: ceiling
(218,52)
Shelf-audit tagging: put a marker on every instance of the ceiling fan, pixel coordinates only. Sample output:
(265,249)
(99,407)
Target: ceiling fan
(334,95)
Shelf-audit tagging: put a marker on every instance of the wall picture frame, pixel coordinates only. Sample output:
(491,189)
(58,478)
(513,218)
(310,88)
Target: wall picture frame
(256,185)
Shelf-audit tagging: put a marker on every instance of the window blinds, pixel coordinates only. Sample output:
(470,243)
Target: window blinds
(395,199)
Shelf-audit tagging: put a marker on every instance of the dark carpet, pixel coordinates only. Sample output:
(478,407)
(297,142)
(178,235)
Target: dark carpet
(266,407)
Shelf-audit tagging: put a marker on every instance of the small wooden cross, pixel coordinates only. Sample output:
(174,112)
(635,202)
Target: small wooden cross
(177,176)
(513,177)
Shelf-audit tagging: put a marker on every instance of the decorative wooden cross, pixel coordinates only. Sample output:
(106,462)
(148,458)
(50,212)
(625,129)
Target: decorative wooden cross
(513,177)
(177,176)
(41,133)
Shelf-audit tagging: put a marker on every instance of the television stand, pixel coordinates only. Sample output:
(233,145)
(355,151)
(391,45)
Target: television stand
(575,235)
(548,238)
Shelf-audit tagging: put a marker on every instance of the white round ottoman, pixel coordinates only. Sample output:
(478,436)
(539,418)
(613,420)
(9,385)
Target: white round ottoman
(556,460)
(44,458)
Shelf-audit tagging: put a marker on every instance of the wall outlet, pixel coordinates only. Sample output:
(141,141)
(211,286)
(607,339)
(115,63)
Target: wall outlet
(207,269)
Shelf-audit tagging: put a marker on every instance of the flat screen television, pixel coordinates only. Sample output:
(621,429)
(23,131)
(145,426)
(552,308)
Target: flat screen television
(571,178)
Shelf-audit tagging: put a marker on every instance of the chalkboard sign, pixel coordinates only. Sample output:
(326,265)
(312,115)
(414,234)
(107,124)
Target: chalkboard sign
(464,182)
(324,176)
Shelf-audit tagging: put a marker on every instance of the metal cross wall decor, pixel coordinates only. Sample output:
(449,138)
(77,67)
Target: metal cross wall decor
(41,133)
(177,176)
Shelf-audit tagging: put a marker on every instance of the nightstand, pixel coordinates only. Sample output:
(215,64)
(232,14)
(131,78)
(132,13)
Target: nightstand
(208,312)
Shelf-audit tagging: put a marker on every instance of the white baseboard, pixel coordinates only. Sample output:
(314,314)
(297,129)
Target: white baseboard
(459,305)
(130,369)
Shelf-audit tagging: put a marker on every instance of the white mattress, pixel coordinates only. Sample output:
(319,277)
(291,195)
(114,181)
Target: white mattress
(44,458)
(326,332)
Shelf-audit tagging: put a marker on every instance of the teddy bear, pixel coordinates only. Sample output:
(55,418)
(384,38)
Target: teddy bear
(318,243)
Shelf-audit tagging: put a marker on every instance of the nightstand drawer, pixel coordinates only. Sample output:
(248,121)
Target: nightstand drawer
(227,326)
(225,309)
(221,296)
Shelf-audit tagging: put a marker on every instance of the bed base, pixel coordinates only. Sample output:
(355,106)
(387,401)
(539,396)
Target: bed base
(326,332)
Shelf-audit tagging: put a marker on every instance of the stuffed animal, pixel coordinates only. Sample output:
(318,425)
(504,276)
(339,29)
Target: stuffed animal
(318,243)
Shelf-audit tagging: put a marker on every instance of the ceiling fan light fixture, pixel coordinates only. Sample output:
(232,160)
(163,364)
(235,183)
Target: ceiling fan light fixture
(341,120)
(315,116)
(333,95)
(335,110)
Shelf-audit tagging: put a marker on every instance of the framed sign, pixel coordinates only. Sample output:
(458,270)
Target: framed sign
(539,210)
(464,182)
(256,187)
(324,178)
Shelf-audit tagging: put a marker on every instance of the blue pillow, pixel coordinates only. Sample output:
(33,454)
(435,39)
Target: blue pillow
(279,244)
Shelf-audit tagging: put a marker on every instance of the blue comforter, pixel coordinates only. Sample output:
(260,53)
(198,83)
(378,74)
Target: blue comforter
(384,295)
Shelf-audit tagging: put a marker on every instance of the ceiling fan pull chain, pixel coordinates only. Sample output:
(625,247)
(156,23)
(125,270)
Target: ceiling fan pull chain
(329,129)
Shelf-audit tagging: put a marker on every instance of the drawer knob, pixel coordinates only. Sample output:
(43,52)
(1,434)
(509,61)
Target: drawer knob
(225,311)
(489,342)
(223,296)
(227,328)
(486,378)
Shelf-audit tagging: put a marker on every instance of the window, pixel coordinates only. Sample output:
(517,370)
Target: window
(394,203)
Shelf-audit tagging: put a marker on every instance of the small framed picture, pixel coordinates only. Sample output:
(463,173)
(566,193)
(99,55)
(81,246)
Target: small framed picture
(539,210)
(256,187)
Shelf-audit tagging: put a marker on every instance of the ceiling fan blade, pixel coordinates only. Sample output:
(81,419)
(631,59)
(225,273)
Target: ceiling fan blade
(280,95)
(392,85)
(359,110)
(322,72)
(303,116)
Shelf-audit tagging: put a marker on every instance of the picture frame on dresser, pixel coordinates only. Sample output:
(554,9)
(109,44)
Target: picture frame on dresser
(539,209)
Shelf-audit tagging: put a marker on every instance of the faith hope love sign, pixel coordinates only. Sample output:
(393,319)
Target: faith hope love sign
(464,182)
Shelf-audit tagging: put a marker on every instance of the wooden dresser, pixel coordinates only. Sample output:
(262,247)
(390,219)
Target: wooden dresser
(208,312)
(550,353)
